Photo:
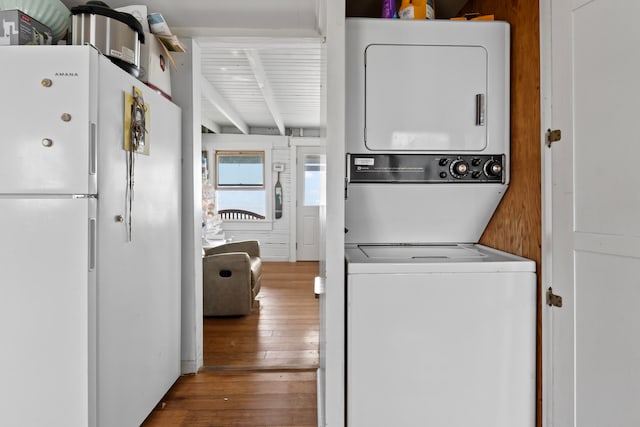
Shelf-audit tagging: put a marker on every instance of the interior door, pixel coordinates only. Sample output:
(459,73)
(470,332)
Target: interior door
(308,178)
(592,377)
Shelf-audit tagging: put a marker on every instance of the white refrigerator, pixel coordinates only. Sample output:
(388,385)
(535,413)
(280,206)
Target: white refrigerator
(89,312)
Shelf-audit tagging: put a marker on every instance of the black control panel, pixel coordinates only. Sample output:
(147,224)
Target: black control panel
(425,168)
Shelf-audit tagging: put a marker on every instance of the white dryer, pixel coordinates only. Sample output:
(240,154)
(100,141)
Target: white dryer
(427,129)
(440,336)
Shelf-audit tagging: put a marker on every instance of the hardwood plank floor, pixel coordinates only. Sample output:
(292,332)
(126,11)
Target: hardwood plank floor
(239,398)
(280,333)
(260,369)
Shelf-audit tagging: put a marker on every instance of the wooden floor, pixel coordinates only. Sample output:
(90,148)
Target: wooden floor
(260,370)
(282,330)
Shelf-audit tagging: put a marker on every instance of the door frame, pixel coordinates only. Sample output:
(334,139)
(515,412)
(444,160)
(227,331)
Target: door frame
(546,210)
(294,143)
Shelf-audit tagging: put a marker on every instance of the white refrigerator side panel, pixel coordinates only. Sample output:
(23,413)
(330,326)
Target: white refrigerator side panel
(444,349)
(139,281)
(45,294)
(45,117)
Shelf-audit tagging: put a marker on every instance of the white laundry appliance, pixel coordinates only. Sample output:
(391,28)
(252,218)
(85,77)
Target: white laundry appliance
(90,277)
(440,330)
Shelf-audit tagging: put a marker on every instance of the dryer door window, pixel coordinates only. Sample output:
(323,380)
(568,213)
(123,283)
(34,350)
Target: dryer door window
(426,98)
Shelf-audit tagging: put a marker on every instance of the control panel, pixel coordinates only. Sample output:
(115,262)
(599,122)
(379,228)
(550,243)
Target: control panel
(425,168)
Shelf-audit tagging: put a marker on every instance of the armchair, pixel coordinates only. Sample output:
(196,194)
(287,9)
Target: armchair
(231,276)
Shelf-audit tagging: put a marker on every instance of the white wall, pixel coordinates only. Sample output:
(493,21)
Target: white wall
(331,385)
(185,91)
(274,235)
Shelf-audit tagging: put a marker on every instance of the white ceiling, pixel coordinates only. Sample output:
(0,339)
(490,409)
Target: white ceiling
(261,59)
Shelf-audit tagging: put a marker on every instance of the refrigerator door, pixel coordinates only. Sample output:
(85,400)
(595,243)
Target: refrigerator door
(46,292)
(139,280)
(46,120)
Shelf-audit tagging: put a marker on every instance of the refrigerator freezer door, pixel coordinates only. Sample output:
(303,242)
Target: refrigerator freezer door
(45,291)
(45,114)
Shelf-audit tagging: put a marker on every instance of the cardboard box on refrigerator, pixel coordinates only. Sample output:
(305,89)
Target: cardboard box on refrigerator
(156,68)
(154,63)
(18,28)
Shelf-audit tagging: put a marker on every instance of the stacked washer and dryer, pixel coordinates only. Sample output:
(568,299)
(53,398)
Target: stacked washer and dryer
(440,330)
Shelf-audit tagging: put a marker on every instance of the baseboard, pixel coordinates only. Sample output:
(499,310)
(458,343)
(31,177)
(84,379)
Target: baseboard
(188,367)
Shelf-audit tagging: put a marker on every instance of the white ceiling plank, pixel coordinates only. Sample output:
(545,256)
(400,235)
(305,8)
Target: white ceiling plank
(218,101)
(289,42)
(210,124)
(263,83)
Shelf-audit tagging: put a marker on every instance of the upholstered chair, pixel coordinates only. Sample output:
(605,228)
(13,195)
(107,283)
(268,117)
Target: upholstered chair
(231,278)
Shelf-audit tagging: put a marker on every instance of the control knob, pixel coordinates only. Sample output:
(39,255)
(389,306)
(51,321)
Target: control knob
(493,168)
(459,168)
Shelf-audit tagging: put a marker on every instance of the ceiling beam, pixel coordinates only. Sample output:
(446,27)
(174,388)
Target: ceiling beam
(263,83)
(210,124)
(217,100)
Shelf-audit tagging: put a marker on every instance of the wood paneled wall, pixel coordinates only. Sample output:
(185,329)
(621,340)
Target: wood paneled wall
(516,225)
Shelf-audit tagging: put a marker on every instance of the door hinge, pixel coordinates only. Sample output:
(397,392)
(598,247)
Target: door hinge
(553,136)
(553,300)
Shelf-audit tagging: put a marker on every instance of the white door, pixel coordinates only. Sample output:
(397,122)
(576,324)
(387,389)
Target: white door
(308,210)
(592,254)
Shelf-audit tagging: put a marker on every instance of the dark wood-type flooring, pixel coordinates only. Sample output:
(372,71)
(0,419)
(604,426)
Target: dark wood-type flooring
(260,369)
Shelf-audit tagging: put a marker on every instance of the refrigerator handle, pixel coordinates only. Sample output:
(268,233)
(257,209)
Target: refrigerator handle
(93,149)
(92,244)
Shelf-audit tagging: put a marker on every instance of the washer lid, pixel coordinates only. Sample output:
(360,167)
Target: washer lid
(421,252)
(457,258)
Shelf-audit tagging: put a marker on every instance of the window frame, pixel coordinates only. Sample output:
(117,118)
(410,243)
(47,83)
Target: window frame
(264,154)
(239,153)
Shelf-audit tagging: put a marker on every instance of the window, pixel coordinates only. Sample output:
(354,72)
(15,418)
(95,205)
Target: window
(240,181)
(312,180)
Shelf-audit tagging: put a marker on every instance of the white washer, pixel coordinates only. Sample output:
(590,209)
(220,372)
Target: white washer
(440,336)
